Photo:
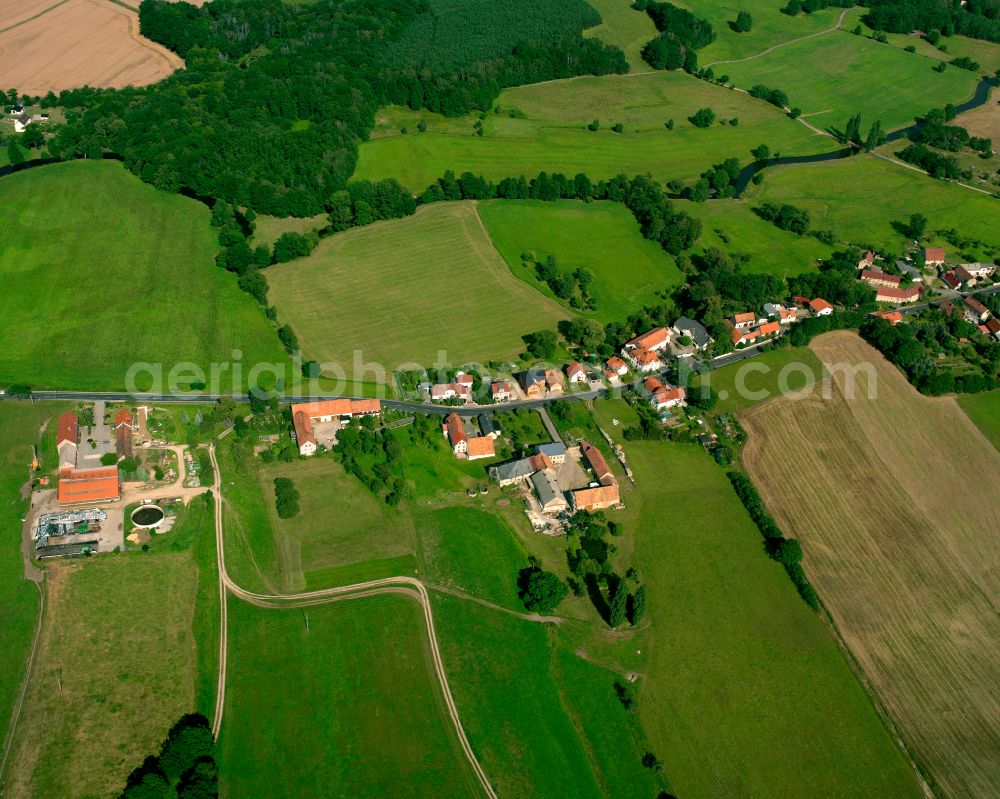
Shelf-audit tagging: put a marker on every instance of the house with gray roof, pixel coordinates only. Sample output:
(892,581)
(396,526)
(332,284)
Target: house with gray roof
(488,426)
(694,330)
(511,472)
(550,497)
(556,452)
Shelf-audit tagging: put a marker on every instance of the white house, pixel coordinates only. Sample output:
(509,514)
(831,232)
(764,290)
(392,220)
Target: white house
(575,373)
(446,391)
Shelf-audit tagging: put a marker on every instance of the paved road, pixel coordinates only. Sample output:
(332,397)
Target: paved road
(407,586)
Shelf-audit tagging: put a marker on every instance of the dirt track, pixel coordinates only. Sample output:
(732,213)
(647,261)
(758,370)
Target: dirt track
(54,45)
(896,504)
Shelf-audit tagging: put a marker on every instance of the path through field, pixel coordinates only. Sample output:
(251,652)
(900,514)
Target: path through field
(896,501)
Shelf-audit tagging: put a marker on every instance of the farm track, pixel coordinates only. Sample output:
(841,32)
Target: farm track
(35,16)
(769,50)
(406,586)
(904,558)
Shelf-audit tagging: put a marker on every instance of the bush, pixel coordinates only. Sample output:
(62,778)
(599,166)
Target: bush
(703,118)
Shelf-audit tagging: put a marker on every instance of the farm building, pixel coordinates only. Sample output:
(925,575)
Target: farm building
(595,460)
(556,451)
(934,256)
(67,437)
(879,279)
(480,447)
(89,486)
(975,310)
(305,415)
(454,430)
(596,497)
(550,497)
(511,472)
(898,296)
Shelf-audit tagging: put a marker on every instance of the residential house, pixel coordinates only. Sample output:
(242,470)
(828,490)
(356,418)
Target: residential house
(501,392)
(616,366)
(898,296)
(480,447)
(488,426)
(879,279)
(550,497)
(769,329)
(575,373)
(511,472)
(556,451)
(740,338)
(643,360)
(447,391)
(934,256)
(820,307)
(16,110)
(89,486)
(951,280)
(866,260)
(21,122)
(785,316)
(454,430)
(693,330)
(533,383)
(653,340)
(965,277)
(893,317)
(743,321)
(910,268)
(595,498)
(993,328)
(975,311)
(662,397)
(67,436)
(554,380)
(979,270)
(305,414)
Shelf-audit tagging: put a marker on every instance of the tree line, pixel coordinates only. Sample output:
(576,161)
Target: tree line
(681,34)
(184,766)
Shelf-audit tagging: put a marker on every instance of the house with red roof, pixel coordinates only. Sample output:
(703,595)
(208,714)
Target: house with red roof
(783,315)
(975,311)
(965,277)
(893,317)
(951,280)
(662,396)
(575,373)
(934,256)
(454,430)
(457,390)
(616,366)
(89,486)
(501,391)
(879,279)
(898,296)
(654,340)
(643,360)
(820,307)
(306,414)
(993,328)
(742,321)
(67,436)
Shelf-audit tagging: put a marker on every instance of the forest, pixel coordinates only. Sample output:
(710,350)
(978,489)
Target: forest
(274,97)
(977,19)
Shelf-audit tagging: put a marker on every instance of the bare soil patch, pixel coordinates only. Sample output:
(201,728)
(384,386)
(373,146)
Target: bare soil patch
(895,501)
(77,42)
(983,121)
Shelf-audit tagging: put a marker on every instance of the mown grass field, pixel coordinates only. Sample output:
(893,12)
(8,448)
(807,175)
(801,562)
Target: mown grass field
(859,198)
(910,579)
(400,292)
(116,667)
(732,227)
(625,28)
(547,133)
(19,426)
(267,229)
(629,271)
(770,28)
(101,271)
(337,700)
(745,692)
(763,377)
(984,410)
(834,76)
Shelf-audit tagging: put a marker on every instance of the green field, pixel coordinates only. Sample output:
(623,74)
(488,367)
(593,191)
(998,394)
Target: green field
(746,693)
(732,226)
(403,291)
(604,237)
(859,198)
(337,700)
(116,667)
(832,77)
(546,132)
(101,271)
(770,28)
(19,425)
(745,383)
(625,28)
(267,229)
(984,410)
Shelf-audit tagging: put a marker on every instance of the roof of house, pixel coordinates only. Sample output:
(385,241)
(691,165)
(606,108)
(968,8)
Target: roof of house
(869,256)
(963,274)
(553,450)
(651,339)
(908,267)
(303,427)
(575,368)
(337,407)
(512,470)
(615,363)
(541,461)
(891,316)
(976,305)
(872,274)
(644,357)
(501,388)
(69,428)
(738,336)
(819,304)
(456,429)
(768,328)
(934,253)
(652,384)
(532,377)
(741,318)
(696,330)
(951,279)
(465,380)
(898,294)
(547,487)
(675,393)
(596,461)
(993,325)
(458,389)
(596,495)
(487,425)
(123,417)
(123,441)
(89,485)
(788,313)
(481,447)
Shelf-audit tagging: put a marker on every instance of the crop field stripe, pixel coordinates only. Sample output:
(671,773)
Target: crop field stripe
(904,557)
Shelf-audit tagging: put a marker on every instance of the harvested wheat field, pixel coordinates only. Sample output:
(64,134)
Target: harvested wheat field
(60,45)
(897,504)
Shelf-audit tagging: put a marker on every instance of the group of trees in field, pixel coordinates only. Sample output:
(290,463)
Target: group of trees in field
(681,34)
(719,181)
(772,96)
(374,456)
(184,767)
(977,19)
(786,551)
(572,285)
(539,590)
(588,553)
(276,96)
(795,7)
(286,498)
(851,134)
(784,216)
(836,282)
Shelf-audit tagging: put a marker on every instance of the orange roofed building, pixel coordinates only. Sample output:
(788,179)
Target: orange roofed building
(89,486)
(304,414)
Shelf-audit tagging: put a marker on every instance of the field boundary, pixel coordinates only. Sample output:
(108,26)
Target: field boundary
(33,17)
(771,49)
(22,692)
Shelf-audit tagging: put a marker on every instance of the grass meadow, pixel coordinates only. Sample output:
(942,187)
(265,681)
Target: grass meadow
(337,700)
(629,271)
(101,271)
(541,127)
(859,198)
(745,383)
(402,291)
(116,667)
(267,229)
(625,28)
(832,77)
(745,690)
(732,226)
(906,570)
(19,426)
(984,410)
